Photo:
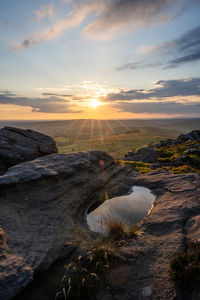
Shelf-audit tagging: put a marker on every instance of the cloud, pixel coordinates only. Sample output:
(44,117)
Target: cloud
(109,16)
(45,11)
(163,89)
(5,22)
(185,49)
(168,108)
(44,105)
(7,93)
(138,65)
(117,14)
(55,94)
(75,18)
(147,49)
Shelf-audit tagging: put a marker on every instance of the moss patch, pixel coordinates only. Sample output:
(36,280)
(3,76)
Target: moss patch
(140,166)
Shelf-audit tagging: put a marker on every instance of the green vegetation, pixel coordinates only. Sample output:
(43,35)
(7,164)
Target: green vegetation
(167,154)
(116,137)
(185,267)
(140,166)
(116,143)
(172,151)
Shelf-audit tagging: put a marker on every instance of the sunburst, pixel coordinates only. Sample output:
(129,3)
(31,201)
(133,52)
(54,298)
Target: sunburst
(94,103)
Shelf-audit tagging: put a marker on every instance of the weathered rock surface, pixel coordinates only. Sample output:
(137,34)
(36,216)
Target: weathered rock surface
(164,143)
(18,145)
(185,160)
(14,272)
(146,155)
(41,202)
(174,217)
(193,151)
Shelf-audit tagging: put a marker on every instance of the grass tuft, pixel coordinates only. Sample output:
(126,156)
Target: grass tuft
(115,229)
(78,282)
(84,275)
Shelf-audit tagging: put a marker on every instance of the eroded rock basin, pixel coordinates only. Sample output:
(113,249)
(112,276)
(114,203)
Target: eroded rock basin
(129,209)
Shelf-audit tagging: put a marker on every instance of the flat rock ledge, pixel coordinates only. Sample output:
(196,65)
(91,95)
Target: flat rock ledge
(41,203)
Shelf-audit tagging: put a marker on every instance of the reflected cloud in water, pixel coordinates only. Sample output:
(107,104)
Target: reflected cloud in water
(130,209)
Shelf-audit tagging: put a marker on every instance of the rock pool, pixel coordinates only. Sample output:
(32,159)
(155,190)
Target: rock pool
(130,209)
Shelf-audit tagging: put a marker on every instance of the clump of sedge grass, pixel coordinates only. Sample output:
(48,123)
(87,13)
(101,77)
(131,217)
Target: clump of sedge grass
(185,267)
(115,229)
(84,275)
(102,254)
(77,283)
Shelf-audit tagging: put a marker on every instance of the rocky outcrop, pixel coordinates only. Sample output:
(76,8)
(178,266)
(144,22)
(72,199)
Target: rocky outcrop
(158,158)
(194,135)
(191,136)
(41,203)
(146,155)
(185,160)
(18,145)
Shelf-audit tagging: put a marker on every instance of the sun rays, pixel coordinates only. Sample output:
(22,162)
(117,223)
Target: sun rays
(94,103)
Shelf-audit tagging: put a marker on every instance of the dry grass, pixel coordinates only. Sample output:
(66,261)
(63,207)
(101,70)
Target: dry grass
(87,272)
(102,253)
(84,275)
(115,229)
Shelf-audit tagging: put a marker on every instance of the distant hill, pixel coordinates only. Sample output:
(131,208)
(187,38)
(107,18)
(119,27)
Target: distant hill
(116,137)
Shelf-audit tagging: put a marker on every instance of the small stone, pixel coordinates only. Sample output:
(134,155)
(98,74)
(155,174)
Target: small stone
(146,292)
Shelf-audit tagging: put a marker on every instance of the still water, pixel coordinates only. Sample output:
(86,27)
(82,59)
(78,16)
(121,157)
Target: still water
(129,209)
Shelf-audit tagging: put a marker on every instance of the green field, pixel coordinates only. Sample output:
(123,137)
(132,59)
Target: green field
(114,144)
(116,137)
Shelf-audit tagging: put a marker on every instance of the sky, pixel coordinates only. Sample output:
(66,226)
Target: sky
(108,59)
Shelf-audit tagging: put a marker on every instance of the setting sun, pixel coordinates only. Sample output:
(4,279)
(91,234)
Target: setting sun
(94,103)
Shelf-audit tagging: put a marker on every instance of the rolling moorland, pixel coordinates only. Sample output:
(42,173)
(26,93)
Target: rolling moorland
(116,137)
